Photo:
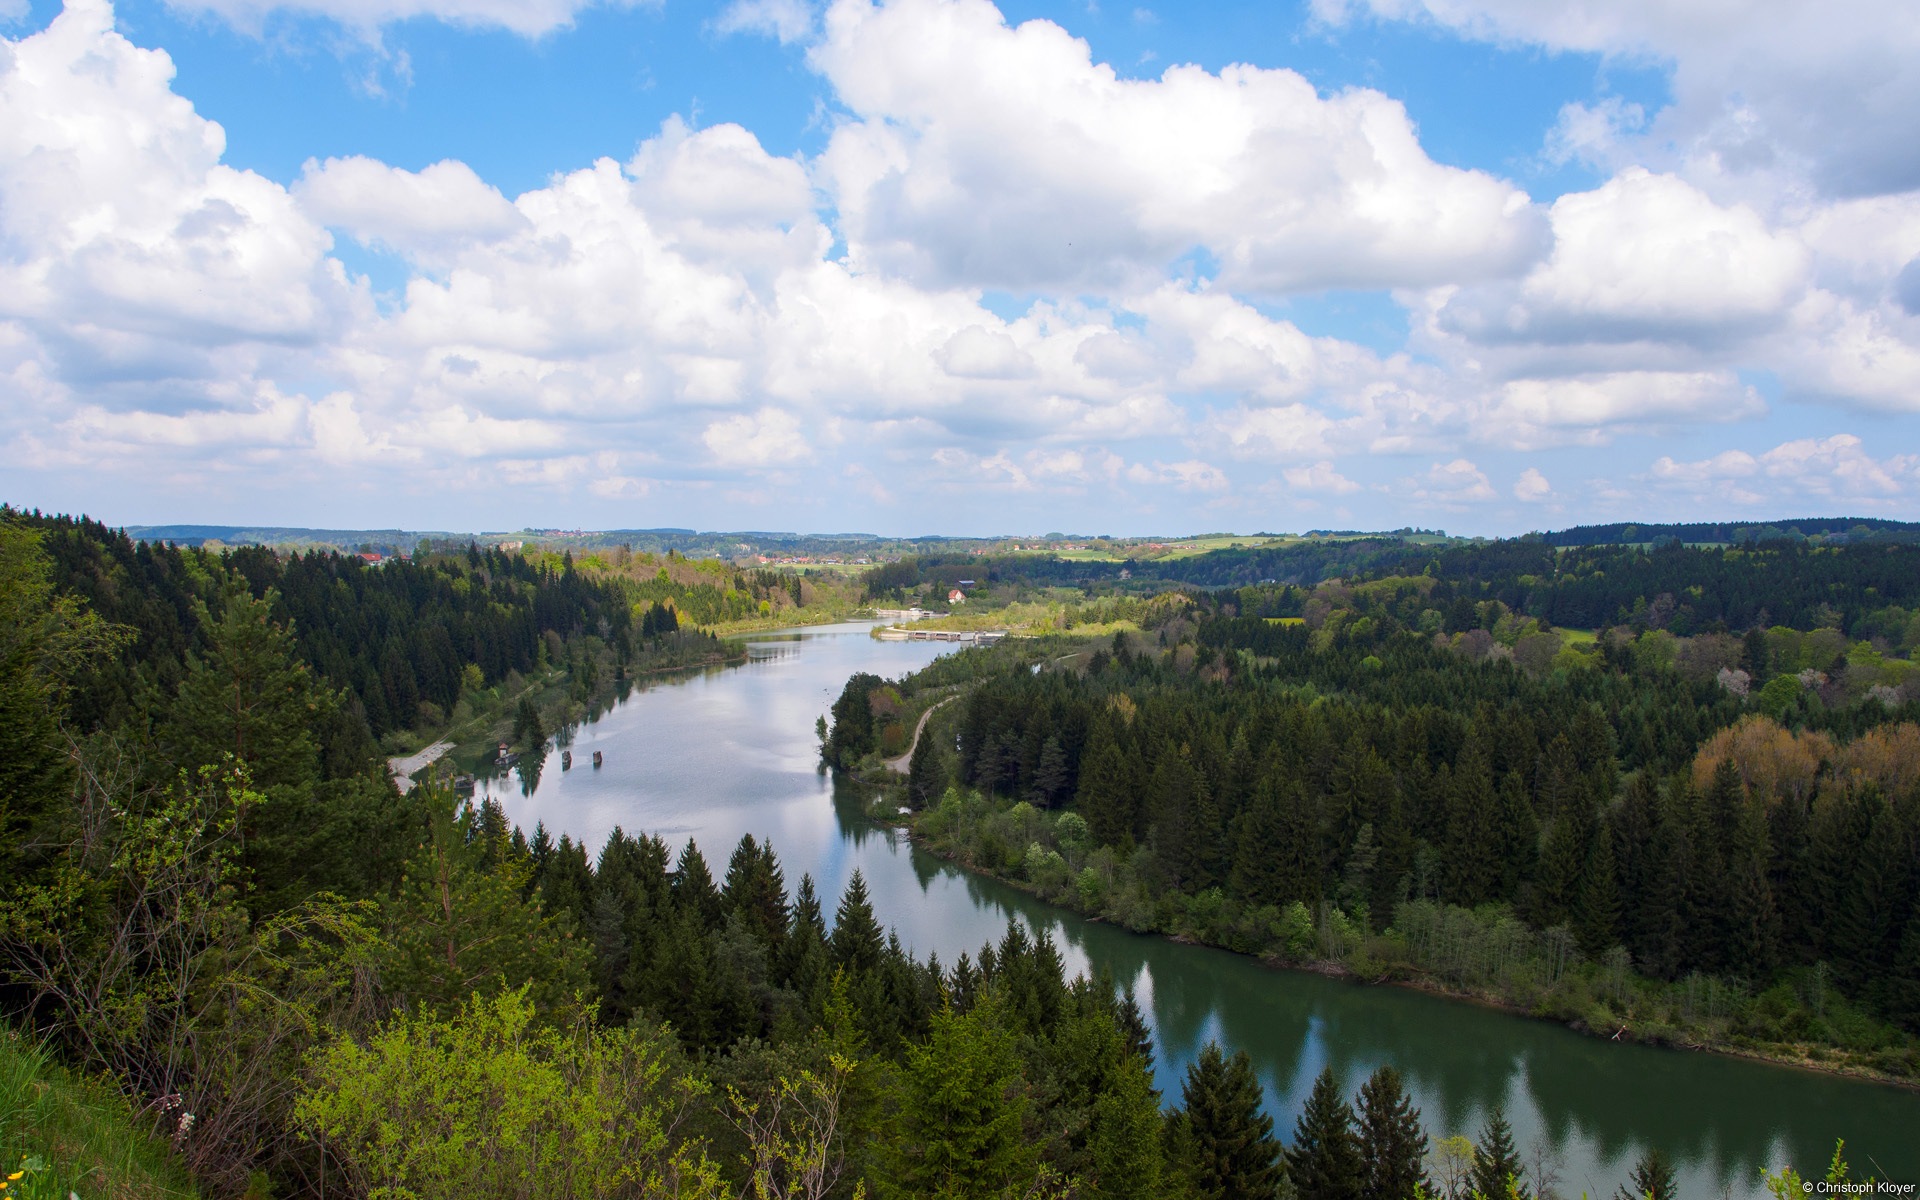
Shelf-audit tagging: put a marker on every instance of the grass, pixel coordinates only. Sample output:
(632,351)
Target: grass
(82,1134)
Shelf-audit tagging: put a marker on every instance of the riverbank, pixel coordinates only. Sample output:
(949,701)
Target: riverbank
(1483,957)
(576,683)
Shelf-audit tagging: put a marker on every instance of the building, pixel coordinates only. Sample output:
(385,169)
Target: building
(956,596)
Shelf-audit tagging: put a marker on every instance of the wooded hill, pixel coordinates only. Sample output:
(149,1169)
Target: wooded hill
(1692,790)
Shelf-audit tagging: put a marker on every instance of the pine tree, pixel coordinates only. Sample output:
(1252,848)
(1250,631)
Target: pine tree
(1471,842)
(1124,1134)
(960,1112)
(1652,1179)
(1496,1163)
(1106,796)
(1518,834)
(1324,1160)
(1275,859)
(693,890)
(1232,1153)
(250,696)
(1752,927)
(857,940)
(926,774)
(1393,1148)
(1050,774)
(1597,915)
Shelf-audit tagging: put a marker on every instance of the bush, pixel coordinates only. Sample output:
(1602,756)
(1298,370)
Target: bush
(485,1104)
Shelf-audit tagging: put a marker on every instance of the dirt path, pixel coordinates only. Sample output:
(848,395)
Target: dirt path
(904,764)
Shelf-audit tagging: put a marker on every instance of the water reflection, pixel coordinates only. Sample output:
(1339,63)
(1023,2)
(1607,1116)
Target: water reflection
(721,753)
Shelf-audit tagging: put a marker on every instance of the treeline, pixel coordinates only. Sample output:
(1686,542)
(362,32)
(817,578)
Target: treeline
(394,636)
(1840,530)
(1266,765)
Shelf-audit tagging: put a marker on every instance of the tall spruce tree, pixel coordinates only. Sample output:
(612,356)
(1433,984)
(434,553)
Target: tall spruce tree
(1652,1179)
(857,940)
(1496,1162)
(1324,1161)
(1229,1145)
(1393,1148)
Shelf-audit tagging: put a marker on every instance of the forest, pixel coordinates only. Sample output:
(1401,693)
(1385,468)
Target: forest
(238,963)
(1687,824)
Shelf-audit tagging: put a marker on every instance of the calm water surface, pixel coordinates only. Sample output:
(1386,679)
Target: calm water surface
(732,751)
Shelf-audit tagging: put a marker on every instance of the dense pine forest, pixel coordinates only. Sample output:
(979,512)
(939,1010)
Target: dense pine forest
(1697,823)
(266,968)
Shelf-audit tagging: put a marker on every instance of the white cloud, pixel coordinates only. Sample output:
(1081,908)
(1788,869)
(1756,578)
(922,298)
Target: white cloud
(787,20)
(978,353)
(1319,477)
(1192,475)
(125,243)
(1534,410)
(949,175)
(760,439)
(1836,467)
(529,18)
(425,215)
(1451,484)
(1760,86)
(1644,258)
(1532,486)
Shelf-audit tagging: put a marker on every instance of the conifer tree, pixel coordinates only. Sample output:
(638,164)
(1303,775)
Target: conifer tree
(1124,1140)
(1652,1179)
(1106,796)
(1324,1161)
(1472,848)
(693,890)
(856,941)
(961,1105)
(1597,915)
(1393,1147)
(1496,1162)
(1229,1143)
(926,774)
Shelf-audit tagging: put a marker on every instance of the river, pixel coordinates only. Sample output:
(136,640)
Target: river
(731,751)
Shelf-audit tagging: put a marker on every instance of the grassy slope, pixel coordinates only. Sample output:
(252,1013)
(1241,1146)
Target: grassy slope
(80,1130)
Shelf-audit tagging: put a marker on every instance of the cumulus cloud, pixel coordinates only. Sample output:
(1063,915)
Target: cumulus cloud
(946,175)
(1451,485)
(1836,467)
(1319,477)
(1531,411)
(636,328)
(758,439)
(1826,89)
(425,215)
(126,245)
(1643,258)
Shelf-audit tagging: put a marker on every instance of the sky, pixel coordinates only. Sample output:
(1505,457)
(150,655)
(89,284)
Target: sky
(941,266)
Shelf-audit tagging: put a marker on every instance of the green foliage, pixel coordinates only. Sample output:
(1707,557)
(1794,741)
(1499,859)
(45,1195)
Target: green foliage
(1497,1169)
(485,1101)
(1226,1141)
(1652,1179)
(1325,1160)
(1392,1144)
(961,1105)
(46,639)
(458,923)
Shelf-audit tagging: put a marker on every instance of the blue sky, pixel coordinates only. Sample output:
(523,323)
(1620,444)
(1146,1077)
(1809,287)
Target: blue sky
(941,266)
